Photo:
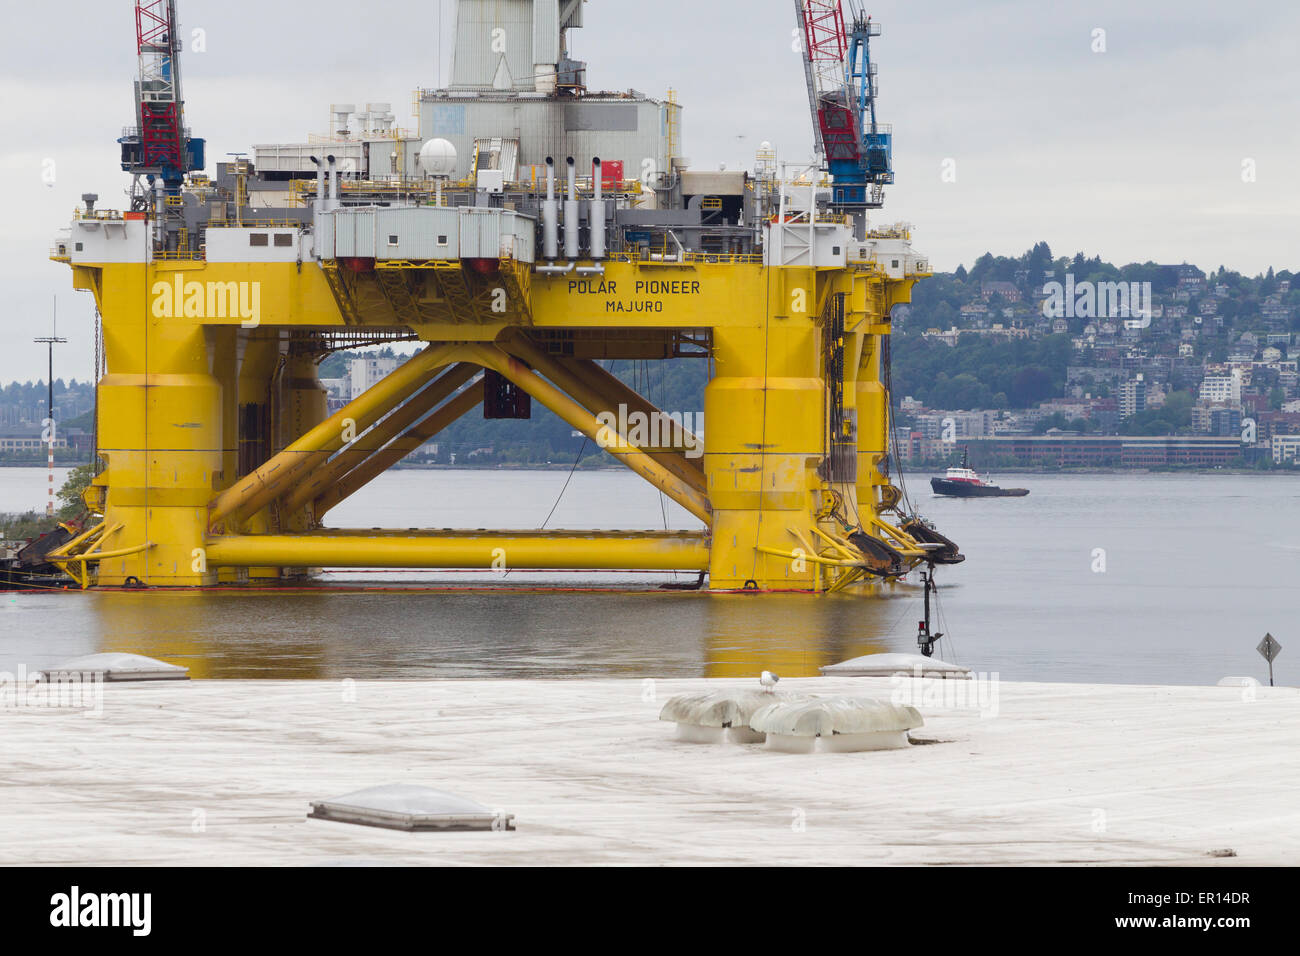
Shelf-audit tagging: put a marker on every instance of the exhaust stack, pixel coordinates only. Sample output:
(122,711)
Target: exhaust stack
(572,215)
(550,216)
(596,220)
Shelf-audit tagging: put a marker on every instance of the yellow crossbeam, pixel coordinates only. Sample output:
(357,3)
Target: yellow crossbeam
(596,550)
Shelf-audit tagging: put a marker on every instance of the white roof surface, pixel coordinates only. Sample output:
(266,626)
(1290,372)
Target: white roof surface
(1061,773)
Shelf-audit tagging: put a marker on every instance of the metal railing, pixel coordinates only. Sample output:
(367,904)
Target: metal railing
(586,187)
(100,215)
(691,258)
(897,231)
(252,224)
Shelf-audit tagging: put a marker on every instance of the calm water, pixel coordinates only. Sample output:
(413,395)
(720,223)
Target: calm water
(1196,570)
(27,489)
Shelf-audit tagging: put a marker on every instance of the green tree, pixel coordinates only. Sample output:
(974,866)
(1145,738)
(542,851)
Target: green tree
(70,503)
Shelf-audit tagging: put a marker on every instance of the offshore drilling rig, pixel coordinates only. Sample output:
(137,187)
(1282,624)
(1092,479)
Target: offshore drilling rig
(529,230)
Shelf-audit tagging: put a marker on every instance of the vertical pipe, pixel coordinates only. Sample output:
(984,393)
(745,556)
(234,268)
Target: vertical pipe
(320,179)
(160,211)
(572,215)
(319,205)
(550,216)
(596,220)
(49,414)
(334,183)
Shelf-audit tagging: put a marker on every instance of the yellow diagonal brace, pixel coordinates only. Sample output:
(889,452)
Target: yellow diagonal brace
(842,548)
(271,480)
(595,376)
(103,539)
(380,462)
(318,480)
(852,577)
(83,561)
(596,401)
(814,558)
(67,547)
(579,418)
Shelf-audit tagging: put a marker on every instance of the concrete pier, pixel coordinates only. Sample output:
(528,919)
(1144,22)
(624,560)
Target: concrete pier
(221,773)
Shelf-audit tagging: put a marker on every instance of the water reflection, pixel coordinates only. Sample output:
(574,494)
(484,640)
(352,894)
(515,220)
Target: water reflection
(792,635)
(214,635)
(332,633)
(1027,604)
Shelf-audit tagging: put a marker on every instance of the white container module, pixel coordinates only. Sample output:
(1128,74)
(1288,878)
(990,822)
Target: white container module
(835,725)
(420,233)
(718,716)
(426,233)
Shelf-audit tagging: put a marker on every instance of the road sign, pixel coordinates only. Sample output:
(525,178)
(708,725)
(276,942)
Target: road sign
(1269,648)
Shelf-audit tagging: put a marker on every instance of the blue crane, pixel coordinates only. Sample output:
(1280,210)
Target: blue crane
(855,148)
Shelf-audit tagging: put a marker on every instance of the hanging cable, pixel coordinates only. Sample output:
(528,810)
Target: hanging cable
(577,461)
(891,438)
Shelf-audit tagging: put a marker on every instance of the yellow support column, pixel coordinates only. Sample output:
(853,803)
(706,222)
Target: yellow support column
(162,432)
(304,404)
(765,414)
(260,358)
(225,365)
(869,307)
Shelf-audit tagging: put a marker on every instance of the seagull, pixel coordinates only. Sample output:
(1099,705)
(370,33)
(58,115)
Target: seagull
(768,680)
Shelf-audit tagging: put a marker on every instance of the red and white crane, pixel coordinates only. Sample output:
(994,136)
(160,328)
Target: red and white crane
(158,146)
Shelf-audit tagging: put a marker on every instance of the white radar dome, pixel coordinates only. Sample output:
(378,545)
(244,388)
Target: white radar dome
(438,158)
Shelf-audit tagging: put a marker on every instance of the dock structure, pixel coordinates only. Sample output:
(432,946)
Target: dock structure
(527,233)
(223,773)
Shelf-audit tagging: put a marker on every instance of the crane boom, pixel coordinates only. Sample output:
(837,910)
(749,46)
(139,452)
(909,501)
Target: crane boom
(158,146)
(842,88)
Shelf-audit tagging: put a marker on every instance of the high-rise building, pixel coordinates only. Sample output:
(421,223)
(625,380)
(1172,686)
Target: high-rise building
(364,373)
(1133,397)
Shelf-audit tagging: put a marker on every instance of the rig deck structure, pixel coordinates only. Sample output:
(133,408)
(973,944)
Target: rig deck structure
(530,230)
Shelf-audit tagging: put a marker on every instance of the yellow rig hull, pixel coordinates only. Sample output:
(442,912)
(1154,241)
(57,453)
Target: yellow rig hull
(222,460)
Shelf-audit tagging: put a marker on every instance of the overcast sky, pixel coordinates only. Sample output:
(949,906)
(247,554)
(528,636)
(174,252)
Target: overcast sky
(1132,154)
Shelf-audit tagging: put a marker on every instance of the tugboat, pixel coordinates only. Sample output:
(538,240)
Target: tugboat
(963,482)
